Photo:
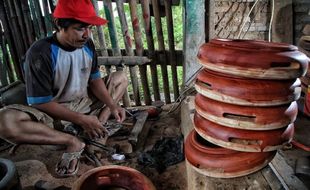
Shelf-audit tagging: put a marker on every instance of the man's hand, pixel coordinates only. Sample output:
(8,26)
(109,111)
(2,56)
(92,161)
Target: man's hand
(119,113)
(92,126)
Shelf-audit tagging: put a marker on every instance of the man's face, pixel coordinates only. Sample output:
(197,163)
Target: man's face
(76,35)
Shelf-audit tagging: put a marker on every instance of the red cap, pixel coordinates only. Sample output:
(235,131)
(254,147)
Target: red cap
(82,10)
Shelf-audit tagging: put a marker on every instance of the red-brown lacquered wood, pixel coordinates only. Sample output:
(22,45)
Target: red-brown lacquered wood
(214,161)
(245,91)
(246,117)
(113,176)
(241,139)
(253,59)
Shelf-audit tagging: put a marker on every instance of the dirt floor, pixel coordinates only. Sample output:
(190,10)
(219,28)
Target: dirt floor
(37,162)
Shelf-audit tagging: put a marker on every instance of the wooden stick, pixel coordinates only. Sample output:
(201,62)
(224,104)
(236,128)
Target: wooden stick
(129,51)
(139,50)
(101,38)
(161,47)
(150,44)
(114,41)
(171,48)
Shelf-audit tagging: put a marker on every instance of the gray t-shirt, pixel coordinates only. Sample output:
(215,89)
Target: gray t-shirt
(55,73)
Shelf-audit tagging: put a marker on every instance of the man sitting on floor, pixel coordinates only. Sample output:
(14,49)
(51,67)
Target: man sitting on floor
(64,88)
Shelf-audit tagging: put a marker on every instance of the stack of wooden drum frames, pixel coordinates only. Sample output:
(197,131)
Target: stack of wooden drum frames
(304,46)
(245,105)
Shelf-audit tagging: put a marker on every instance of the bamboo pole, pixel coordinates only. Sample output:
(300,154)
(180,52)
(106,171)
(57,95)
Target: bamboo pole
(8,36)
(3,77)
(114,41)
(161,47)
(172,59)
(20,25)
(35,22)
(101,38)
(39,17)
(47,18)
(139,50)
(27,20)
(150,44)
(129,51)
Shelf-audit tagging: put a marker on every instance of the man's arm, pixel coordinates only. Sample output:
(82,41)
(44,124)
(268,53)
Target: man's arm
(99,89)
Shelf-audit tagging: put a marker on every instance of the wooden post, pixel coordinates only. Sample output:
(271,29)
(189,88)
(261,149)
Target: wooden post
(282,30)
(139,50)
(128,45)
(161,47)
(114,41)
(194,36)
(150,44)
(172,49)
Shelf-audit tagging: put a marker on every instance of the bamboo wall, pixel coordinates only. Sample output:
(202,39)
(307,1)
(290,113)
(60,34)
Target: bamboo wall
(24,21)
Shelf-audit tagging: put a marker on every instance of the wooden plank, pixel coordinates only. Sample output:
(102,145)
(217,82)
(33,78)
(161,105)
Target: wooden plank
(150,46)
(271,178)
(194,36)
(137,128)
(128,45)
(114,41)
(285,174)
(172,58)
(282,30)
(161,47)
(139,49)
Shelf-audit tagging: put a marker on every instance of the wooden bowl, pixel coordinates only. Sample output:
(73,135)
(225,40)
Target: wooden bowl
(214,161)
(246,117)
(113,176)
(248,92)
(241,139)
(253,59)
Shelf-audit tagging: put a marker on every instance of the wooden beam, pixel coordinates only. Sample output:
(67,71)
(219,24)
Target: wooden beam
(122,60)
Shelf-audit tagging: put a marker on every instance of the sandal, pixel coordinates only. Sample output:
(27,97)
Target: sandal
(66,159)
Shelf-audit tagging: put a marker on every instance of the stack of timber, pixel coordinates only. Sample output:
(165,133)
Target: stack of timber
(245,107)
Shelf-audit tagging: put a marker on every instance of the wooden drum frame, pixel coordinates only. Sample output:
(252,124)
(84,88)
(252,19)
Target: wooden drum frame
(214,161)
(253,59)
(241,139)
